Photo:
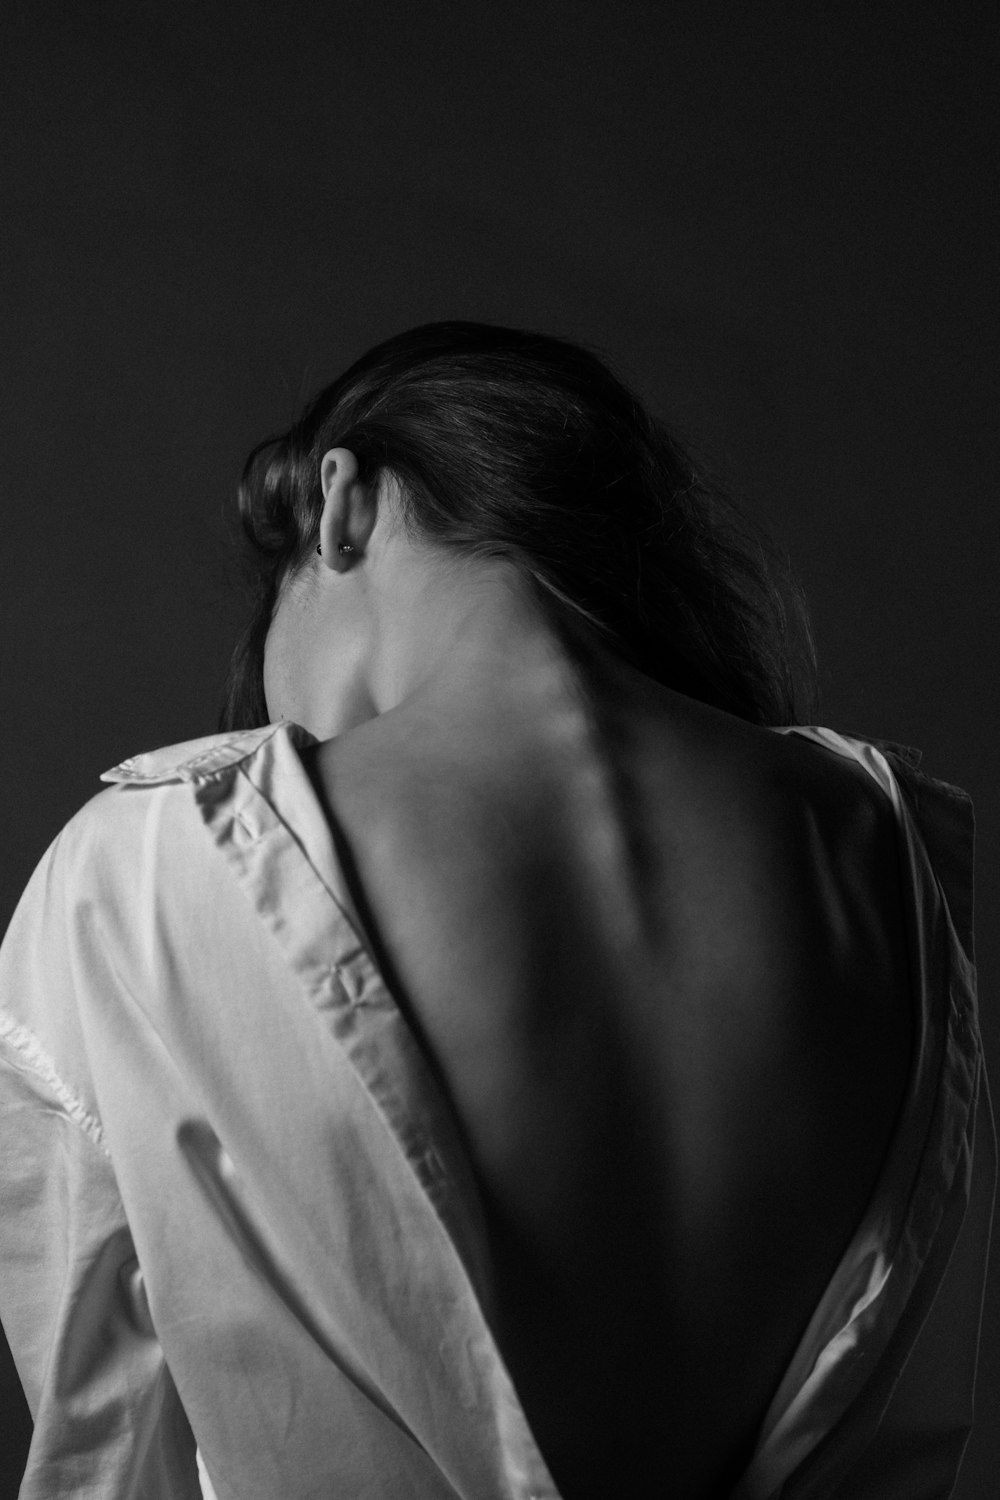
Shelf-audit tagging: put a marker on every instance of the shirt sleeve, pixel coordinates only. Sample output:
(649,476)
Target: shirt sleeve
(108,1423)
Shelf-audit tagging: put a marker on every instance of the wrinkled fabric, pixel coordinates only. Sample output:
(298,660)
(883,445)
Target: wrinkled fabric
(240,1245)
(877,1402)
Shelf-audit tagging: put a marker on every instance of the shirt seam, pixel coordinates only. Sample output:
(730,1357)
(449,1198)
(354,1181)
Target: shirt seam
(37,1060)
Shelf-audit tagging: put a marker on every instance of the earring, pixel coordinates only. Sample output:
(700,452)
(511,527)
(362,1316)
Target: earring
(343,548)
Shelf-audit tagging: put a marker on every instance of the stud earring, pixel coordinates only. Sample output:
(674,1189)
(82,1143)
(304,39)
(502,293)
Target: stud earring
(343,548)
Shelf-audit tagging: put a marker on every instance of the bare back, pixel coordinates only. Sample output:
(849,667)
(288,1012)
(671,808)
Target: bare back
(658,964)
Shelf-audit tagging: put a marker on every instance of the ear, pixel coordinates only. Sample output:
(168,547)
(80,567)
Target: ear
(349,509)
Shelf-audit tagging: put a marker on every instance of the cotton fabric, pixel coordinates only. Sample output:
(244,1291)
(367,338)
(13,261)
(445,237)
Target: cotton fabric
(240,1245)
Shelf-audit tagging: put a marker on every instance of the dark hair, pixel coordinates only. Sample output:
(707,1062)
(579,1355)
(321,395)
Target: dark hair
(516,445)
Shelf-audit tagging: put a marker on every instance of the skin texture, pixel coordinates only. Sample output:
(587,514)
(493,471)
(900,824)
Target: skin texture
(656,957)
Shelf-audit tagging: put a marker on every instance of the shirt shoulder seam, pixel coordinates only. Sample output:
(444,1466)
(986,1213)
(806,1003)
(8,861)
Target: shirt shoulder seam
(37,1060)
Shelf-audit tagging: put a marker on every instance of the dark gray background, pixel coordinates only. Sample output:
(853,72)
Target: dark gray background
(772,217)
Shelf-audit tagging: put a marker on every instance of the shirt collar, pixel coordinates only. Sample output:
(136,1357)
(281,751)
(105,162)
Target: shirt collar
(194,760)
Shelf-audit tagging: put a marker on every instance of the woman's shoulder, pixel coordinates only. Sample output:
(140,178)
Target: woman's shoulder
(144,818)
(644,792)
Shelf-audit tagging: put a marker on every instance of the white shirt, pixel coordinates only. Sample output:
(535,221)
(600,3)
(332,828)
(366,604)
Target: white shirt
(237,1226)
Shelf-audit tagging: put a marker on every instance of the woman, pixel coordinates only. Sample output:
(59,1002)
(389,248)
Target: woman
(498,1064)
